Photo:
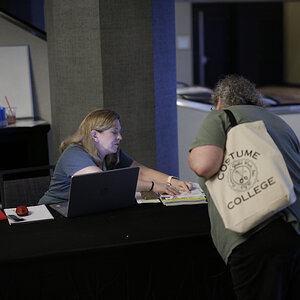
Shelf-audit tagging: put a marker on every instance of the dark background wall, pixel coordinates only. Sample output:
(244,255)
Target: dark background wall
(29,11)
(242,38)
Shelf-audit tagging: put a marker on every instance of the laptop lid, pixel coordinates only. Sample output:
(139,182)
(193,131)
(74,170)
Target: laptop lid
(103,191)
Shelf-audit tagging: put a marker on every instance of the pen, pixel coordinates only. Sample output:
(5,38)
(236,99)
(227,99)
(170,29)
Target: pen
(160,199)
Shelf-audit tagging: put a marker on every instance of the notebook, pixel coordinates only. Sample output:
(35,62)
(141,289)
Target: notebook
(97,192)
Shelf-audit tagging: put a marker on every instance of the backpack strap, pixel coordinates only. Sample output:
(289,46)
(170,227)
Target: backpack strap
(231,117)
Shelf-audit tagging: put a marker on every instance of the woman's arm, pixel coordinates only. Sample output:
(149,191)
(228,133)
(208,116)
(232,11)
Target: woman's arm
(206,160)
(87,170)
(161,185)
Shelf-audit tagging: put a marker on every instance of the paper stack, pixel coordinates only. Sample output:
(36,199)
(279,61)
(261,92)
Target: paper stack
(196,196)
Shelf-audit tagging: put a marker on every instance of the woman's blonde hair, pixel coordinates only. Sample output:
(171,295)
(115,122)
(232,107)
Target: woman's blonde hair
(100,120)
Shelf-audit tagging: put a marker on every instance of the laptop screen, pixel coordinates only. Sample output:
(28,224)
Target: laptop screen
(103,191)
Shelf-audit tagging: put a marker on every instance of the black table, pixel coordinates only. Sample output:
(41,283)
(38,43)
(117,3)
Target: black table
(145,252)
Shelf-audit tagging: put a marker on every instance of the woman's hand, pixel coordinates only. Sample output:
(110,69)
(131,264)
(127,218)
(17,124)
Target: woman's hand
(162,184)
(181,185)
(165,188)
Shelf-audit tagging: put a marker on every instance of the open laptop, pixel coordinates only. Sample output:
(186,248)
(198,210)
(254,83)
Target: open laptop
(97,192)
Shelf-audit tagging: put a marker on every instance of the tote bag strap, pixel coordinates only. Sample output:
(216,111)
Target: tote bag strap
(231,117)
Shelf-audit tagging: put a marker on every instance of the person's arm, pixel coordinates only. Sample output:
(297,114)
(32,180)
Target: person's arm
(206,160)
(160,180)
(87,170)
(76,161)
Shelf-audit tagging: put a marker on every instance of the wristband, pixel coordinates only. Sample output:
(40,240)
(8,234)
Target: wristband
(151,186)
(169,179)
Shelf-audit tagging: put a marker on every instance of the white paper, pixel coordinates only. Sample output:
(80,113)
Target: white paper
(195,192)
(15,80)
(183,42)
(35,213)
(140,200)
(196,196)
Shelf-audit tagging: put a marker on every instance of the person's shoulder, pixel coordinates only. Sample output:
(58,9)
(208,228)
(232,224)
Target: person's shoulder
(215,116)
(248,108)
(74,148)
(75,154)
(250,113)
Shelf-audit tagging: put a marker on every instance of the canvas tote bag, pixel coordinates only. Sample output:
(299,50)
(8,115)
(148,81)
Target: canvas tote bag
(253,182)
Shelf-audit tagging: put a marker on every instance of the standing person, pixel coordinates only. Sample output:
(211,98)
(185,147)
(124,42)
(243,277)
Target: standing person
(95,148)
(265,262)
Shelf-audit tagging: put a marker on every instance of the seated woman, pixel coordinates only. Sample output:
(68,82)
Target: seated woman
(95,148)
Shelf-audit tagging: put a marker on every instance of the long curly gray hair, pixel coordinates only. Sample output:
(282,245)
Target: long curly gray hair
(236,90)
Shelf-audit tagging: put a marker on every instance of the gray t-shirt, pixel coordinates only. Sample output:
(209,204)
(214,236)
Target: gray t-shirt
(213,131)
(73,159)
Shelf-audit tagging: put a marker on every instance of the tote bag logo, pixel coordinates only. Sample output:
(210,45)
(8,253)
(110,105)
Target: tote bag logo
(242,175)
(240,169)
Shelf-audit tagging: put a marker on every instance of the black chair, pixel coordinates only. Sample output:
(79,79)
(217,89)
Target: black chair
(24,186)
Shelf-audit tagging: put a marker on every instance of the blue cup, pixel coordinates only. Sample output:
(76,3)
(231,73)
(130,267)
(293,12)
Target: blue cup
(3,121)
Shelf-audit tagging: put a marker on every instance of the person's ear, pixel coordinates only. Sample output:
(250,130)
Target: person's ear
(219,106)
(94,135)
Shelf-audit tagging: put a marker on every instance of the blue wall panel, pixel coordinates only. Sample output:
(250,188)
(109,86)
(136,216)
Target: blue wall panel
(164,56)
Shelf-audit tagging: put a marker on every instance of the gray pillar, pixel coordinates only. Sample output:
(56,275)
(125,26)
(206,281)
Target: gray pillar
(74,63)
(101,56)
